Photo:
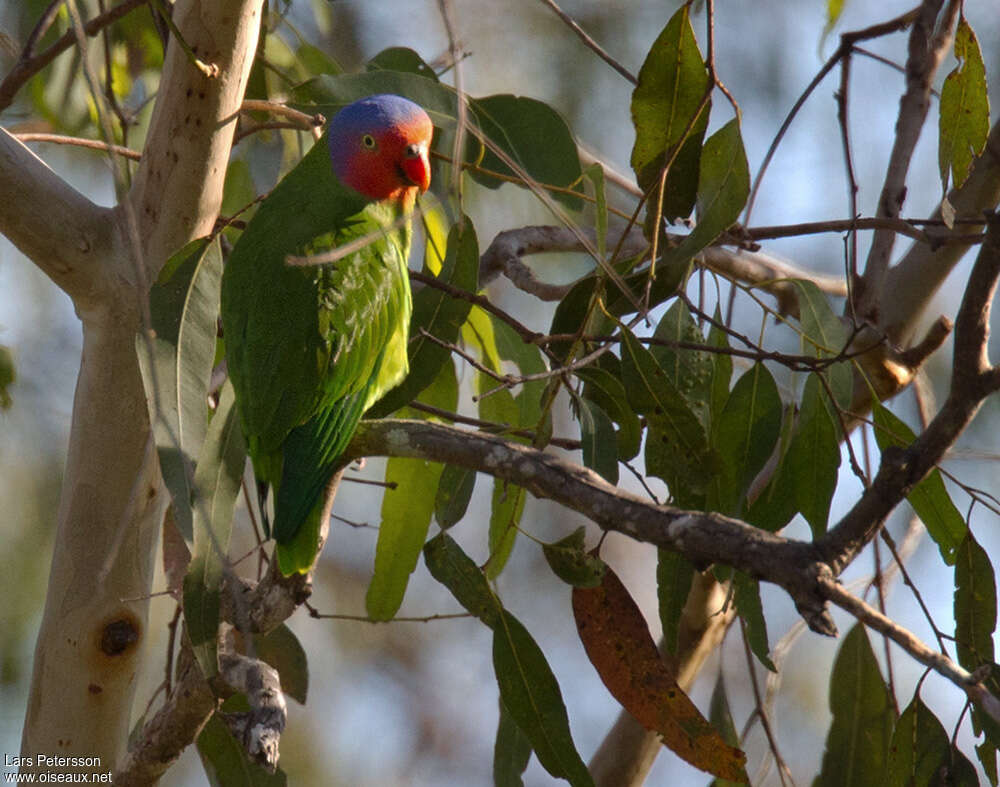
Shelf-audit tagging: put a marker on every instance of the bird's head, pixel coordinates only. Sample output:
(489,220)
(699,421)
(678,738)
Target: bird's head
(379,147)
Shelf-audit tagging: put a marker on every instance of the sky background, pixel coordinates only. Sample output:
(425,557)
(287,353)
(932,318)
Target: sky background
(415,703)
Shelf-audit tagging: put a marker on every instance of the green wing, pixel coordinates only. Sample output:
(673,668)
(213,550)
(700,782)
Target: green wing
(309,349)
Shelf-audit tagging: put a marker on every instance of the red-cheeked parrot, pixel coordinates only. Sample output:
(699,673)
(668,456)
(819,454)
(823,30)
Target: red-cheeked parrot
(310,348)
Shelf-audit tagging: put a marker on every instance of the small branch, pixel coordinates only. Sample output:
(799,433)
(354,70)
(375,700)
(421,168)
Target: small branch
(527,335)
(505,252)
(938,662)
(847,43)
(173,728)
(769,274)
(493,428)
(590,43)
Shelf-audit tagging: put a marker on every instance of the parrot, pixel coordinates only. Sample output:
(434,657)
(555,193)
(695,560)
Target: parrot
(309,348)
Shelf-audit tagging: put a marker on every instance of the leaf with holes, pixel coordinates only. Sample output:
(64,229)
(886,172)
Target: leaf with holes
(965,109)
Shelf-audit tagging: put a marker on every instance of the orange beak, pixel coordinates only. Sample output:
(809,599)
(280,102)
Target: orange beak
(416,166)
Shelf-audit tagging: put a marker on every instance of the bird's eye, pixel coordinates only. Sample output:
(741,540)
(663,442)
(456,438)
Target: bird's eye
(368,141)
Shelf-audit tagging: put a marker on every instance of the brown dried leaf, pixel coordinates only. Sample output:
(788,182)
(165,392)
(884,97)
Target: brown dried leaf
(619,645)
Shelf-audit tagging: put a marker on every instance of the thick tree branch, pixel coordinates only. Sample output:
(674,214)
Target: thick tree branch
(704,538)
(916,278)
(112,499)
(65,234)
(172,728)
(926,50)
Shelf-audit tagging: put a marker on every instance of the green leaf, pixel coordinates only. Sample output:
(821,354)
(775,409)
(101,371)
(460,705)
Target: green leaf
(672,83)
(8,374)
(226,763)
(439,315)
(745,434)
(673,584)
(511,752)
(450,566)
(183,308)
(217,479)
(282,650)
(920,747)
(722,369)
(406,516)
(595,173)
(442,393)
(312,61)
(775,506)
(823,333)
(529,690)
(857,745)
(676,446)
(965,109)
(929,498)
(528,359)
(400,58)
(747,598)
(987,754)
(975,604)
(722,719)
(517,125)
(723,188)
(505,516)
(689,370)
(813,458)
(570,561)
(453,494)
(607,391)
(598,436)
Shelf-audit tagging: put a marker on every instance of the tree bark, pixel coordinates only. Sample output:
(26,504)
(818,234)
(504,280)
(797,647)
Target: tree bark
(90,644)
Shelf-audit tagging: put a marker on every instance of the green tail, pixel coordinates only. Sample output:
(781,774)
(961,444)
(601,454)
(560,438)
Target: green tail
(312,453)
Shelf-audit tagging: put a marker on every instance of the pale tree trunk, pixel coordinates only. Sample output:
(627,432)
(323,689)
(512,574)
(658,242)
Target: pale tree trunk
(91,641)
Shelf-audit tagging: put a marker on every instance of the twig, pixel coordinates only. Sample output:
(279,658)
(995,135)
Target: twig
(847,42)
(760,713)
(940,663)
(398,619)
(490,426)
(93,144)
(590,43)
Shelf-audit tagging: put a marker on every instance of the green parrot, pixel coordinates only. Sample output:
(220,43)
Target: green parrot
(310,348)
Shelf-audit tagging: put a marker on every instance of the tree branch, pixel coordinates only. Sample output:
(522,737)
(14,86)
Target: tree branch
(112,498)
(177,188)
(703,538)
(66,235)
(972,379)
(926,51)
